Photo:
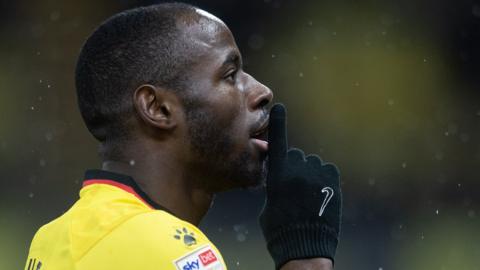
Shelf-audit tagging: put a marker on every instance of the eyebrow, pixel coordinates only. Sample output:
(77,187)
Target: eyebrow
(233,58)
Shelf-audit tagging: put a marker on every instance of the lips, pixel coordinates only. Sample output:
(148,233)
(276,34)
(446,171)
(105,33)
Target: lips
(259,137)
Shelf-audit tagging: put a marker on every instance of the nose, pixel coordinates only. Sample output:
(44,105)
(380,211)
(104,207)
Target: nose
(259,95)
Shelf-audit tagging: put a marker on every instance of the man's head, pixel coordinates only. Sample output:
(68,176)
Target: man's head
(172,74)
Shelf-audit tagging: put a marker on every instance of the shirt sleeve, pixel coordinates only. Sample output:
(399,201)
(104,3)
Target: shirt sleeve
(153,241)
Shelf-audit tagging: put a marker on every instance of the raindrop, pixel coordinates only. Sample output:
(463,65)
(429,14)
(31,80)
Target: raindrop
(371,181)
(238,227)
(48,136)
(30,195)
(241,237)
(436,211)
(32,108)
(424,60)
(404,165)
(471,213)
(240,230)
(132,162)
(273,55)
(300,74)
(391,102)
(48,86)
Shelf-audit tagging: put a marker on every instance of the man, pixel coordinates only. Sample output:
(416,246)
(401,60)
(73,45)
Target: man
(163,90)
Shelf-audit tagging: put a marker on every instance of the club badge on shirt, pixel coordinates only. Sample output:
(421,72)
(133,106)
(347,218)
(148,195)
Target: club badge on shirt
(204,258)
(187,237)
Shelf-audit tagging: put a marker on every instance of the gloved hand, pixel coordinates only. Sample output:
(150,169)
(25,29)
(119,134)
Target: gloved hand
(302,212)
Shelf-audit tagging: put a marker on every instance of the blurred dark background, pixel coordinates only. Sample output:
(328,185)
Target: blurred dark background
(388,90)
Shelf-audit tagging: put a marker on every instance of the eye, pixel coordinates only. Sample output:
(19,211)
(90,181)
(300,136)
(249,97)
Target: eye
(231,75)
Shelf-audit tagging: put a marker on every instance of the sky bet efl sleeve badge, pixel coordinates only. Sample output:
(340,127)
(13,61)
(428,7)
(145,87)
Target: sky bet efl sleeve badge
(204,258)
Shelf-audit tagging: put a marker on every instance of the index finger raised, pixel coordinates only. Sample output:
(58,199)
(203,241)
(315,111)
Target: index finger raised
(277,133)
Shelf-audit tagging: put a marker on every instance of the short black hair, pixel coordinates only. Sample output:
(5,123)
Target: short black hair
(138,46)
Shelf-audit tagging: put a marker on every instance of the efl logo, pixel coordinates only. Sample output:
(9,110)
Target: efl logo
(207,257)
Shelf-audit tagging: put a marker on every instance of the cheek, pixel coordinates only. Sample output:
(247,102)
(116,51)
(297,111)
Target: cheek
(227,106)
(233,115)
(233,125)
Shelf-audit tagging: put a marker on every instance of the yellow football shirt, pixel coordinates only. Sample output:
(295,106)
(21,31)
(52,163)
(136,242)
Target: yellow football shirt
(115,225)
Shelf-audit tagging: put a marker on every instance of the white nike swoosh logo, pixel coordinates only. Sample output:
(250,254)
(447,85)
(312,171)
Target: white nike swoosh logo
(329,195)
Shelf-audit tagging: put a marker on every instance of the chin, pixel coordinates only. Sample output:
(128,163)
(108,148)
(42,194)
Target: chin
(252,174)
(234,169)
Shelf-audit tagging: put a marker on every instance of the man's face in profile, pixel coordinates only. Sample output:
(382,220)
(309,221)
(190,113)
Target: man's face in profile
(226,108)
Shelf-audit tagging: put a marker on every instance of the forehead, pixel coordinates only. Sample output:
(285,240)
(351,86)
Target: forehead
(208,15)
(207,34)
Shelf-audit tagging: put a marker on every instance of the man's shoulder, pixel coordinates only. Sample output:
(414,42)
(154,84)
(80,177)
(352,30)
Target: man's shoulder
(153,238)
(108,227)
(160,227)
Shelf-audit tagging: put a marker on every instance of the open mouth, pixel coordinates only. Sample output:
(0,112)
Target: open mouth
(260,137)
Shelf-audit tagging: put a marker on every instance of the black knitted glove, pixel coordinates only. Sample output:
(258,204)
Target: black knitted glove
(302,212)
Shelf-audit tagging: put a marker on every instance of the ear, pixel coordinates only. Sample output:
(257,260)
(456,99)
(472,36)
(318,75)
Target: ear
(157,106)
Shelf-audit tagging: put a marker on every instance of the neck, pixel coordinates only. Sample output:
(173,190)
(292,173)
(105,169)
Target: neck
(166,183)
